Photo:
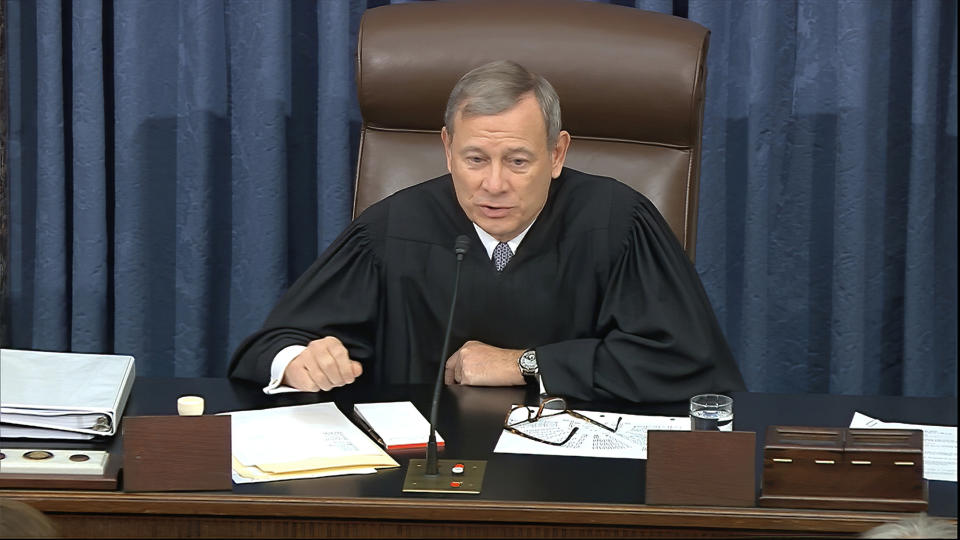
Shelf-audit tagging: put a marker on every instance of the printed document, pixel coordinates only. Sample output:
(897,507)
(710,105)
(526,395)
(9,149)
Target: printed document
(629,441)
(939,445)
(302,441)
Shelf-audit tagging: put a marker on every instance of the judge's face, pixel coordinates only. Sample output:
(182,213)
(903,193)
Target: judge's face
(502,168)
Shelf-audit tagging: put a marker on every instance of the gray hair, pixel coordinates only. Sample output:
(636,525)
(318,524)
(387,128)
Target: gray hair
(496,87)
(921,526)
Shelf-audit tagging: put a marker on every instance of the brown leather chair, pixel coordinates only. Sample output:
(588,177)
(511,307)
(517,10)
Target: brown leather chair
(631,86)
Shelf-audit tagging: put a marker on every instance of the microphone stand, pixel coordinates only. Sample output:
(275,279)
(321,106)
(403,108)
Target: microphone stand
(432,475)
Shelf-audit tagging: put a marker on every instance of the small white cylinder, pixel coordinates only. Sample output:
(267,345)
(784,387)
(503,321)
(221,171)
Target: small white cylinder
(190,406)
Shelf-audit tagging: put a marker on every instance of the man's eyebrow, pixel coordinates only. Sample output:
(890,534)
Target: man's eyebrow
(467,149)
(520,150)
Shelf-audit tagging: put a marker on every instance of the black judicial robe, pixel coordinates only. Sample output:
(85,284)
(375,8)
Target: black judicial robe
(600,287)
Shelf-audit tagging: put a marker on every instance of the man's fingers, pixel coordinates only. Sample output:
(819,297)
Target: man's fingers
(330,365)
(333,360)
(479,364)
(458,372)
(465,356)
(325,364)
(319,378)
(449,369)
(347,369)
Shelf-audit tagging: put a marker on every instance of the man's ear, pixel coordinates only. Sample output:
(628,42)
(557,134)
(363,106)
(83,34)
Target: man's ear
(447,141)
(559,154)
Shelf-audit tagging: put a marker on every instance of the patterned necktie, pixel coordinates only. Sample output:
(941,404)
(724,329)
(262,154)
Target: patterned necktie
(501,255)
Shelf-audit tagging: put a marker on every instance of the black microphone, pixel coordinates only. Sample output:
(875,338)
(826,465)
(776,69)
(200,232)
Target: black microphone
(461,245)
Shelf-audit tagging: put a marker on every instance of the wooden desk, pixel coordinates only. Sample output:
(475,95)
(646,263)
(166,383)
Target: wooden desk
(523,496)
(105,515)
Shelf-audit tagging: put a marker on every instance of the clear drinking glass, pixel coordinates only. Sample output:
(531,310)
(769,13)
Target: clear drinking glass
(711,412)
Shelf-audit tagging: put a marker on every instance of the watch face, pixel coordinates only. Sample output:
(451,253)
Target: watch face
(528,362)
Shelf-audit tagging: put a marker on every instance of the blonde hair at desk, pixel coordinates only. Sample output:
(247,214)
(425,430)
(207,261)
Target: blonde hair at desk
(20,520)
(922,526)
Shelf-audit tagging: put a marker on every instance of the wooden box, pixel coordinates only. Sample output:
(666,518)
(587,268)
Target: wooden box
(844,469)
(701,468)
(177,453)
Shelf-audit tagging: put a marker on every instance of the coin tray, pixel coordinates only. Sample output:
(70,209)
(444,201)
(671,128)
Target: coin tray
(52,461)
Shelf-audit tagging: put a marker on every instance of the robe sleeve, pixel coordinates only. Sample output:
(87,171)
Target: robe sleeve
(657,338)
(337,296)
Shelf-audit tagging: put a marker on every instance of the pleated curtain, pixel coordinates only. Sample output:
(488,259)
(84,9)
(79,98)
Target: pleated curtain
(174,166)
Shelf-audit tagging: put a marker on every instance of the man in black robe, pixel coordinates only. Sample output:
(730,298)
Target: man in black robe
(572,279)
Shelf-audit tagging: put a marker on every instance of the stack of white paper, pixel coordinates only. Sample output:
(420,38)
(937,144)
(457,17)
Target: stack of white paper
(396,425)
(62,395)
(303,441)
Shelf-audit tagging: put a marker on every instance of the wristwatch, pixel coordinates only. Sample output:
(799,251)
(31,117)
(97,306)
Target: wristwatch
(528,365)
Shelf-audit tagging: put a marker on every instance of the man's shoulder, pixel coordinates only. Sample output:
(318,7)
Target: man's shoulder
(415,212)
(584,182)
(412,198)
(426,193)
(593,201)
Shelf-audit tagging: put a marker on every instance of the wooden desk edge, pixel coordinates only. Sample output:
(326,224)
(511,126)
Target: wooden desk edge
(447,510)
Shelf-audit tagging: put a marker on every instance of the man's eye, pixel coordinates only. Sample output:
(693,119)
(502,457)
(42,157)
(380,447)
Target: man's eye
(475,160)
(519,162)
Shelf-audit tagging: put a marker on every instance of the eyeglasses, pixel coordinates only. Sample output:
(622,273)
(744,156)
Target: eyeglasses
(550,407)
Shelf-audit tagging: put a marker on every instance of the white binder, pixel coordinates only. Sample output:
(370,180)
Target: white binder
(62,395)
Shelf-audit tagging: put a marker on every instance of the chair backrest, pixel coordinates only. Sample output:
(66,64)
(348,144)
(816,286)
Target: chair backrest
(631,86)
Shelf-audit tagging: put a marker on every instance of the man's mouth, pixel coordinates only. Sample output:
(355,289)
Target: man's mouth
(493,212)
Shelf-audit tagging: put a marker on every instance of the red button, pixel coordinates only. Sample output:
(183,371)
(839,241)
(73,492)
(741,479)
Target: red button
(456,484)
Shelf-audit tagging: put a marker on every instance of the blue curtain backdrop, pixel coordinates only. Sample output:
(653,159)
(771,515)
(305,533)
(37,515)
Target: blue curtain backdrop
(175,165)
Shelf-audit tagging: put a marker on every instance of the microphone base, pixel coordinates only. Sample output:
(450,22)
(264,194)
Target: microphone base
(445,481)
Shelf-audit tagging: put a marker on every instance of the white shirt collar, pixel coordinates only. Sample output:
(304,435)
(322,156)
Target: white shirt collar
(490,243)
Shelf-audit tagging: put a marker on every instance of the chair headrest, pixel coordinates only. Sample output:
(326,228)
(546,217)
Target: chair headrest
(621,73)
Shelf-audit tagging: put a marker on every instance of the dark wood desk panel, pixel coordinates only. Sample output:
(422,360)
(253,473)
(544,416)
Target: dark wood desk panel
(93,514)
(532,496)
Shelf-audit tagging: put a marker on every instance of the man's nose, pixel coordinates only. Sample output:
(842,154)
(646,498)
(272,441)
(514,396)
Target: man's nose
(495,181)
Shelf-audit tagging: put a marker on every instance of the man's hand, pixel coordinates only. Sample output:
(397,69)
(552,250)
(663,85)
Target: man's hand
(479,364)
(323,365)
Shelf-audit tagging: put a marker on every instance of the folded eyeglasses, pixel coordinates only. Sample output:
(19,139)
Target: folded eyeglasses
(550,407)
